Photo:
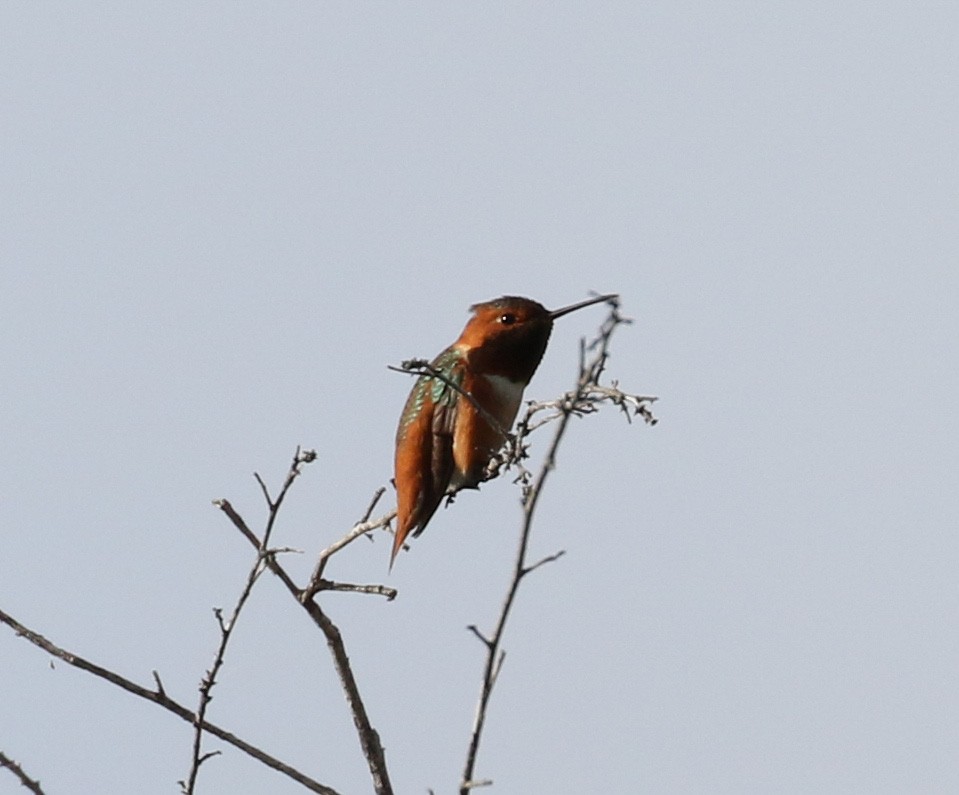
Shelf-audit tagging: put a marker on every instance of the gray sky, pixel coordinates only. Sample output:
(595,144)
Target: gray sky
(221,222)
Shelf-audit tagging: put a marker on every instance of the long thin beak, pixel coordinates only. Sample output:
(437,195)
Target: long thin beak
(567,309)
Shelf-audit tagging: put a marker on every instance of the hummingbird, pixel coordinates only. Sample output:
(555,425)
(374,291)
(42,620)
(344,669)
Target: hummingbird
(453,425)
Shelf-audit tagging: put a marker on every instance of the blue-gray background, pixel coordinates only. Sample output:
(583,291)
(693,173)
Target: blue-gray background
(221,222)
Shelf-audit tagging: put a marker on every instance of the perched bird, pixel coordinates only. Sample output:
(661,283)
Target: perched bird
(445,439)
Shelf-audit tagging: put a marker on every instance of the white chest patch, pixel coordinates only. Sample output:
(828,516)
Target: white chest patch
(509,396)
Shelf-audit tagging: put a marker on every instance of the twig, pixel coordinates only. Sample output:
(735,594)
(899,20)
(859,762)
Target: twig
(583,399)
(249,535)
(377,590)
(209,679)
(483,782)
(361,528)
(576,402)
(25,780)
(299,459)
(548,559)
(482,638)
(159,697)
(375,499)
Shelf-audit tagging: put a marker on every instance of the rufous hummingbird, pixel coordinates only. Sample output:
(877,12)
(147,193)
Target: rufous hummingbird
(452,426)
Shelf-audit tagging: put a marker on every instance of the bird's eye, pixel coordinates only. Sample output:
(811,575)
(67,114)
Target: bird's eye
(507,319)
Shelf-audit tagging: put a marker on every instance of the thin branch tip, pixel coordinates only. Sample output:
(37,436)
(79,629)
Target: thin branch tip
(543,561)
(482,638)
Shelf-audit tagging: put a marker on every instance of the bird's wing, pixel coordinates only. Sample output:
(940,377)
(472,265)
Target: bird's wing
(426,436)
(445,397)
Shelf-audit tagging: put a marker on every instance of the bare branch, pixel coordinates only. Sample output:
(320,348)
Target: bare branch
(548,559)
(238,523)
(264,556)
(159,697)
(299,459)
(498,666)
(369,508)
(368,736)
(264,489)
(378,590)
(483,639)
(160,690)
(249,535)
(25,780)
(361,528)
(584,398)
(209,680)
(485,782)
